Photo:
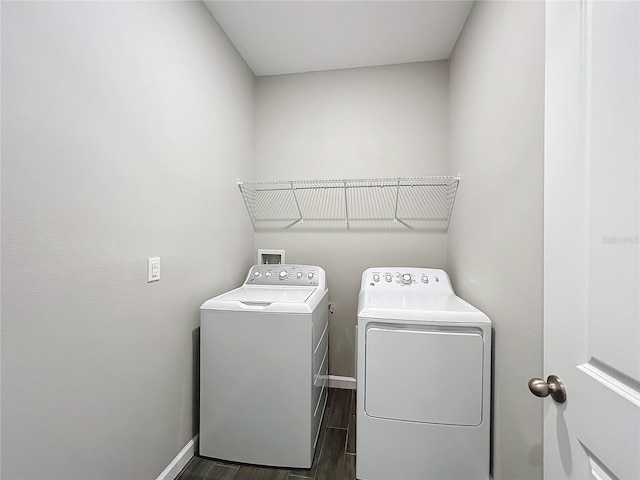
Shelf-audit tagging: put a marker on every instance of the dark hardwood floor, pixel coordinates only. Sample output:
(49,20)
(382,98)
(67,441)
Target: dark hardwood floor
(335,457)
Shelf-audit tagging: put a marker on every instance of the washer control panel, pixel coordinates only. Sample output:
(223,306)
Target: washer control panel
(285,274)
(423,279)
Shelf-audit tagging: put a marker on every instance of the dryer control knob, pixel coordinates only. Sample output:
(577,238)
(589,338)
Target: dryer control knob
(406,279)
(256,274)
(388,277)
(299,275)
(376,277)
(283,274)
(268,274)
(425,279)
(311,275)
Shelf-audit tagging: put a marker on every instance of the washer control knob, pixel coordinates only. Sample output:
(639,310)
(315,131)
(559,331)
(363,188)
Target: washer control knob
(283,274)
(388,277)
(268,274)
(425,279)
(257,274)
(310,276)
(376,277)
(299,275)
(406,278)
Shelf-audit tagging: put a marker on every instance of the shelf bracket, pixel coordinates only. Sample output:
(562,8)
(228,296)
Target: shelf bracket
(395,212)
(346,205)
(295,198)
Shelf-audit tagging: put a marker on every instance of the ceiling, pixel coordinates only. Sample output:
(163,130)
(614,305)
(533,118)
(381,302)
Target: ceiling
(294,36)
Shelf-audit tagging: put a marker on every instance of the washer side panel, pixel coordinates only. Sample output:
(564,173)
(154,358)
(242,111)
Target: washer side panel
(255,401)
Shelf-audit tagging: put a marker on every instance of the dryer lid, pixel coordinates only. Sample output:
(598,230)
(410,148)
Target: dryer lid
(399,300)
(400,305)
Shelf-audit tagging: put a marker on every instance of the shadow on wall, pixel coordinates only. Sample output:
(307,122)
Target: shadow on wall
(195,348)
(493,396)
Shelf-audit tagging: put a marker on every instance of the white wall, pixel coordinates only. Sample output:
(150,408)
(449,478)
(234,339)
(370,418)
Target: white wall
(495,237)
(113,150)
(362,123)
(124,127)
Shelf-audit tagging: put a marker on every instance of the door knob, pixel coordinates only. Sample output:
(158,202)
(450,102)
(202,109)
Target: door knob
(553,386)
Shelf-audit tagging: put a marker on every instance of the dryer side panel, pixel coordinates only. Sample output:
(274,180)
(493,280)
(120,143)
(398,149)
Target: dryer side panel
(424,374)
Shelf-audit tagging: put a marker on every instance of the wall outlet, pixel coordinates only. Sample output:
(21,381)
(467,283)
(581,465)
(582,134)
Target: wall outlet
(153,271)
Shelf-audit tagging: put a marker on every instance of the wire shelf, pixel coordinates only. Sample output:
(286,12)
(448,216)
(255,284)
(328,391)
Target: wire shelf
(418,203)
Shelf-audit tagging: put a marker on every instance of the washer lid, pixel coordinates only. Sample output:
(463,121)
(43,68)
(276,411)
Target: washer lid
(281,299)
(266,294)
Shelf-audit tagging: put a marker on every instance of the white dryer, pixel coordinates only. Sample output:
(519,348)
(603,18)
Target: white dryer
(263,367)
(424,379)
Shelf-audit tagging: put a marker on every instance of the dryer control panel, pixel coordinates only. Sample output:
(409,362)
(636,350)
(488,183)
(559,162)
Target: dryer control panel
(286,274)
(420,279)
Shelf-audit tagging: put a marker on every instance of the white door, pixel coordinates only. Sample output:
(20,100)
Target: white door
(592,290)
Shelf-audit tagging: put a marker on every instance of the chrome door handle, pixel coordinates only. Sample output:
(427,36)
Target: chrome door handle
(553,386)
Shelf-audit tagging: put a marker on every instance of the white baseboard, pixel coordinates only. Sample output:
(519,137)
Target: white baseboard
(336,381)
(178,463)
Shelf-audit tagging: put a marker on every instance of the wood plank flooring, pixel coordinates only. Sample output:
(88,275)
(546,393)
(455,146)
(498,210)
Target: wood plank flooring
(335,457)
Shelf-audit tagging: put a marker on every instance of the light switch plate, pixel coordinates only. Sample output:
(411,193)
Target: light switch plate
(153,272)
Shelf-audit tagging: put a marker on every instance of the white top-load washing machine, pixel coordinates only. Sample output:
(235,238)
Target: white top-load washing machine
(263,367)
(424,379)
